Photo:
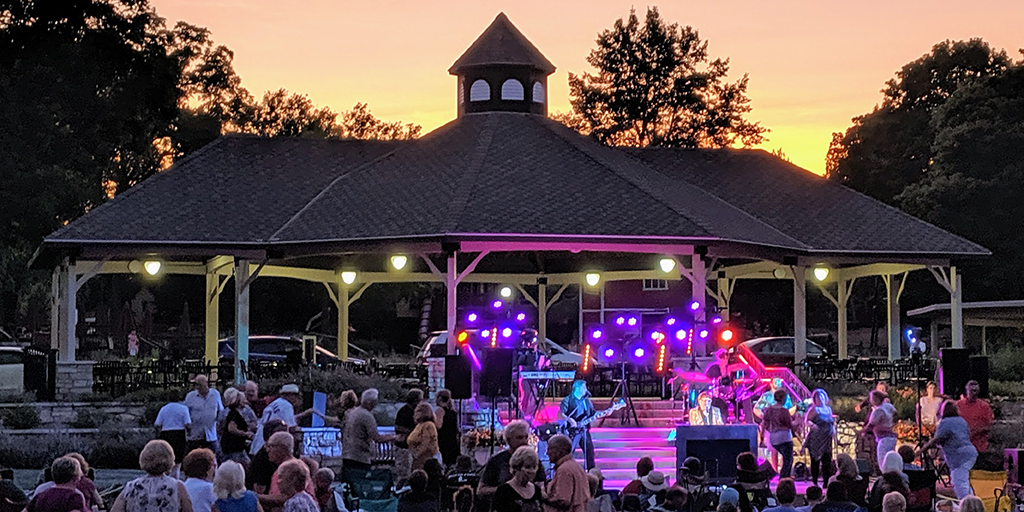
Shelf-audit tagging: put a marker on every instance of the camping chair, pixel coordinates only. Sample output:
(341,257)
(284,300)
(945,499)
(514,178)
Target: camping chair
(922,490)
(985,485)
(372,489)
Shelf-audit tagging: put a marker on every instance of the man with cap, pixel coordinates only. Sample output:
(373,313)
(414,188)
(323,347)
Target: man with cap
(569,488)
(282,408)
(204,405)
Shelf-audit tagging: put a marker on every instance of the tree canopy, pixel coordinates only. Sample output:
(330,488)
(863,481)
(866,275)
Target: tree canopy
(98,95)
(656,86)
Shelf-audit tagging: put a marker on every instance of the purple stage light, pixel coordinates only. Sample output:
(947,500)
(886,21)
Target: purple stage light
(472,317)
(654,335)
(670,322)
(694,306)
(639,352)
(485,333)
(632,321)
(620,320)
(609,353)
(497,304)
(506,332)
(716,320)
(521,317)
(597,334)
(703,333)
(681,334)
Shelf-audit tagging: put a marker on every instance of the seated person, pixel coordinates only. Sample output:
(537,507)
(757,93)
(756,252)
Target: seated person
(418,499)
(812,496)
(785,495)
(836,500)
(643,467)
(750,475)
(907,454)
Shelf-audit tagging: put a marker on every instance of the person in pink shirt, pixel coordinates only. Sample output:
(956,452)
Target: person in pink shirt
(978,415)
(279,448)
(569,488)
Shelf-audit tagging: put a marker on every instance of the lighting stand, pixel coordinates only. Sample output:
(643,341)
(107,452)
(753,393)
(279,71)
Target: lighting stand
(623,388)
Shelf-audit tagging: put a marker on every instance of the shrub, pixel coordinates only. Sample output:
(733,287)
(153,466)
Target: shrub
(335,381)
(1006,388)
(20,417)
(112,449)
(1007,363)
(85,418)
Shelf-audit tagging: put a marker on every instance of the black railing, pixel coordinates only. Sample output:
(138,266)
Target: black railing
(873,369)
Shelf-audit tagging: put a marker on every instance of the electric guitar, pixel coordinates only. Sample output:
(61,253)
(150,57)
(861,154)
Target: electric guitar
(583,423)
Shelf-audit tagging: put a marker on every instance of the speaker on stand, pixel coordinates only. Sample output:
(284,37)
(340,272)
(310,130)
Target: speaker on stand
(979,372)
(955,372)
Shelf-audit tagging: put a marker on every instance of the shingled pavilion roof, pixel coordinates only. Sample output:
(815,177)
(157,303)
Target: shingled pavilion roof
(498,175)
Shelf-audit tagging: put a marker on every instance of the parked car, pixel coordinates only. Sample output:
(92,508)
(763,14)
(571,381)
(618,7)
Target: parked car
(779,350)
(12,369)
(278,349)
(437,346)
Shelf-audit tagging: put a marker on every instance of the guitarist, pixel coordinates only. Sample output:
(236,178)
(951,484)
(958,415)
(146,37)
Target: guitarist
(575,408)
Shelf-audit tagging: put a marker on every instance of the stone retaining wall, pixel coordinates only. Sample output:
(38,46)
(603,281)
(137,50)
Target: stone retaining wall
(74,379)
(59,415)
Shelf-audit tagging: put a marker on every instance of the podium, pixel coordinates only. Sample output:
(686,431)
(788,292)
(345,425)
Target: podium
(716,446)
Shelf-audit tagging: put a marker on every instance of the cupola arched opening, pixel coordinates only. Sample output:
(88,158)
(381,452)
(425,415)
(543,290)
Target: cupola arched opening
(512,89)
(480,91)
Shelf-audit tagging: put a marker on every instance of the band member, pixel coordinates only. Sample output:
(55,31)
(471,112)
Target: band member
(704,413)
(529,359)
(576,408)
(719,367)
(768,399)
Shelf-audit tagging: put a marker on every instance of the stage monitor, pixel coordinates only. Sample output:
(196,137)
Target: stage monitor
(716,446)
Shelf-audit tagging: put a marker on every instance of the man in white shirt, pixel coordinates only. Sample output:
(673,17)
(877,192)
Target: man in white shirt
(173,420)
(203,406)
(282,408)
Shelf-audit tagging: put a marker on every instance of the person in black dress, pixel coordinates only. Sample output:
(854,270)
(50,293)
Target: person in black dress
(236,430)
(520,494)
(448,427)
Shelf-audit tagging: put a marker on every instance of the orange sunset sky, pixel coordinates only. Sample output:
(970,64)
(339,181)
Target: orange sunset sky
(813,64)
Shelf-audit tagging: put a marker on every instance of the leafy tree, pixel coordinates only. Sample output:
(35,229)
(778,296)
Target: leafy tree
(359,123)
(656,86)
(975,185)
(890,148)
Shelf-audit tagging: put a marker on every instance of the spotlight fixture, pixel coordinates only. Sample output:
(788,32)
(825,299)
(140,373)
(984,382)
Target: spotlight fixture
(521,317)
(596,334)
(620,320)
(632,321)
(398,261)
(726,335)
(695,305)
(639,352)
(506,332)
(821,272)
(152,267)
(497,304)
(716,320)
(505,291)
(670,322)
(348,277)
(704,334)
(593,278)
(472,317)
(609,352)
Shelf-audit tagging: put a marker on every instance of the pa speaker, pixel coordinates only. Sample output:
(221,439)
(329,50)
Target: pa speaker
(956,371)
(457,377)
(1012,459)
(979,372)
(496,375)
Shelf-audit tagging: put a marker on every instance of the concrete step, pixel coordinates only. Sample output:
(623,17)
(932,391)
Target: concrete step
(629,433)
(629,463)
(632,444)
(602,452)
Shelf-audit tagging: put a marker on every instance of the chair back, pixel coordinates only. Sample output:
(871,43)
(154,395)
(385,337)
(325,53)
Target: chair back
(985,485)
(922,490)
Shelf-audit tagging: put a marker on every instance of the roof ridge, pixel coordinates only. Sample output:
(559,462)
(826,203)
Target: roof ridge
(643,184)
(155,177)
(461,198)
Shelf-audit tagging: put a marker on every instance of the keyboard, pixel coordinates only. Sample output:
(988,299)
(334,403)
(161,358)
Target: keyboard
(549,375)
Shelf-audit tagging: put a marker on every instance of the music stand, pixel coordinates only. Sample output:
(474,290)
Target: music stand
(623,387)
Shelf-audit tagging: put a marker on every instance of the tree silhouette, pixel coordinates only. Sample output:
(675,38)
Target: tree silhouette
(656,86)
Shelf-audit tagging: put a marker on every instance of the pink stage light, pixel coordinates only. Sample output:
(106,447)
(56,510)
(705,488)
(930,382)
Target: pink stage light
(474,358)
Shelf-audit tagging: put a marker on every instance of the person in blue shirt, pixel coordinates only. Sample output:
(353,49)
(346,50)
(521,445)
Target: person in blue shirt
(954,436)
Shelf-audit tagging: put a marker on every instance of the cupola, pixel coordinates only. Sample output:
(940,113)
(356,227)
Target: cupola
(502,71)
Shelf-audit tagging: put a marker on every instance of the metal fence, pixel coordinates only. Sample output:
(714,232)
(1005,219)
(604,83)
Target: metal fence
(872,369)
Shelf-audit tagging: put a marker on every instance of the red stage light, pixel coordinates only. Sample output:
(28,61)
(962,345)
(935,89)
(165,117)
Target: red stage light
(726,335)
(586,357)
(462,337)
(662,352)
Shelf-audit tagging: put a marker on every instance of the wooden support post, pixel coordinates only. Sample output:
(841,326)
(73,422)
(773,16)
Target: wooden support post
(56,307)
(698,291)
(956,310)
(451,280)
(724,296)
(69,311)
(799,314)
(241,318)
(343,322)
(842,337)
(542,314)
(211,332)
(892,324)
(934,337)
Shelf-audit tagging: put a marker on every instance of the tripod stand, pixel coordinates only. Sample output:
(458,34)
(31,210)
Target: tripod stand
(623,387)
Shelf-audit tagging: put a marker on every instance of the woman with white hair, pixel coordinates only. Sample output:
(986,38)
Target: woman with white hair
(236,429)
(155,491)
(229,486)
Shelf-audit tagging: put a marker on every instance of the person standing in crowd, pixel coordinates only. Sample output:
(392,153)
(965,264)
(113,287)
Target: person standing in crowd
(880,386)
(172,422)
(229,487)
(281,449)
(261,469)
(520,493)
(643,467)
(360,433)
(204,405)
(778,423)
(896,502)
(236,428)
(294,482)
(785,495)
(893,480)
(323,480)
(855,487)
(812,496)
(344,403)
(569,488)
(199,466)
(13,498)
(252,398)
(498,469)
(405,422)
(575,409)
(282,408)
(836,499)
(819,438)
(881,423)
(907,455)
(447,420)
(978,415)
(423,439)
(928,408)
(63,496)
(155,491)
(954,436)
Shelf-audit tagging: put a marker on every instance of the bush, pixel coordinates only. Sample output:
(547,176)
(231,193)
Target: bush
(333,382)
(112,450)
(19,417)
(1006,388)
(85,418)
(1007,363)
